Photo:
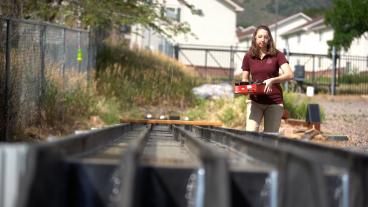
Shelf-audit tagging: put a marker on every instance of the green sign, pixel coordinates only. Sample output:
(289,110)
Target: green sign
(80,55)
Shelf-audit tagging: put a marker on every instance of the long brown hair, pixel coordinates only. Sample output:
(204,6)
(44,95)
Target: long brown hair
(255,50)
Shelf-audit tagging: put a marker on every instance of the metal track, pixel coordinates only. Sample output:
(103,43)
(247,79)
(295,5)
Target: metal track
(168,165)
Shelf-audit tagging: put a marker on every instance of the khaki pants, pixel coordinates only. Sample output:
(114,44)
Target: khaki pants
(272,115)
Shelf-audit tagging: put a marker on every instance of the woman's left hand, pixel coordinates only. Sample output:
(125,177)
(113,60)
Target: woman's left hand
(268,87)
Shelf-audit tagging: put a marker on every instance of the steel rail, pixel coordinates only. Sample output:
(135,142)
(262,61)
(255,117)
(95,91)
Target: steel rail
(215,169)
(49,173)
(325,154)
(301,180)
(128,169)
(296,169)
(355,163)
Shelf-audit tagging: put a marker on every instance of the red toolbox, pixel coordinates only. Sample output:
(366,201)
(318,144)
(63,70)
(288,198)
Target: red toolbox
(249,88)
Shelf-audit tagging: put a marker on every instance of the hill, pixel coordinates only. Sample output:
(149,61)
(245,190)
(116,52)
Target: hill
(264,11)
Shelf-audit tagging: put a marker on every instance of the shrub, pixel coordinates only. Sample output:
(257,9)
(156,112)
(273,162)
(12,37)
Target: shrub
(297,106)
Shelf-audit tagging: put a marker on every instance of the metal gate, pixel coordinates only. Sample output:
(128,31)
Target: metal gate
(334,74)
(220,62)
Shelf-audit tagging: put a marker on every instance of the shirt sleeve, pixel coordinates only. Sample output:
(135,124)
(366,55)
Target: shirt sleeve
(245,65)
(281,59)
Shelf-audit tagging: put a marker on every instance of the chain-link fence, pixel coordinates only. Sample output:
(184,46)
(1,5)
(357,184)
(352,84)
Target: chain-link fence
(30,53)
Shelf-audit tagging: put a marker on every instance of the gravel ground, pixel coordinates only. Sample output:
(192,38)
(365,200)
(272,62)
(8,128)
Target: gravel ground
(344,115)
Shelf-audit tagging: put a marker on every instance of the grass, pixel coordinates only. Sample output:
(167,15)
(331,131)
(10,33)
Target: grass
(138,77)
(296,104)
(232,112)
(127,84)
(229,111)
(67,101)
(130,84)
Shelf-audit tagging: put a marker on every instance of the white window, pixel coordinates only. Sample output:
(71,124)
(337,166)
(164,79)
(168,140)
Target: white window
(320,36)
(348,66)
(172,13)
(299,38)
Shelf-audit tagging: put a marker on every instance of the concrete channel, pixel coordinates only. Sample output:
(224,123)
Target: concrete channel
(181,165)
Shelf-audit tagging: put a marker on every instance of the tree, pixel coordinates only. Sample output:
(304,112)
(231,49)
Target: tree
(349,19)
(11,8)
(101,14)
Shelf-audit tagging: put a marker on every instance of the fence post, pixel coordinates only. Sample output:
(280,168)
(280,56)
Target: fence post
(176,51)
(287,51)
(5,127)
(232,67)
(64,57)
(42,72)
(63,71)
(88,56)
(205,62)
(313,72)
(79,52)
(333,83)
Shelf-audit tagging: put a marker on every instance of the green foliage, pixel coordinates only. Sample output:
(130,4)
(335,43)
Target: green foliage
(315,12)
(99,14)
(199,112)
(111,112)
(80,101)
(232,112)
(353,78)
(349,20)
(297,106)
(346,78)
(229,111)
(228,115)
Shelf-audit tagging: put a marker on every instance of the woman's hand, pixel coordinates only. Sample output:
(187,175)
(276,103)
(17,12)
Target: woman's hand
(268,88)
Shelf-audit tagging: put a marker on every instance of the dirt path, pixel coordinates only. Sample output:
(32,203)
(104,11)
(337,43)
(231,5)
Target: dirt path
(345,115)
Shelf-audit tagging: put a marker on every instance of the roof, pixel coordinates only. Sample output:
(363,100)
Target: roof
(315,24)
(243,33)
(297,15)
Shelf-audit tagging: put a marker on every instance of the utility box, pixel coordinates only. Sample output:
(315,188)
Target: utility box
(299,73)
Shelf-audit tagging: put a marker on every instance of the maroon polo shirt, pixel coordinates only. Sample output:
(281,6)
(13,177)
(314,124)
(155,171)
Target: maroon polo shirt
(264,69)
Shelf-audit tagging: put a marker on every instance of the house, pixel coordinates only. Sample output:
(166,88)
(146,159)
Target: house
(215,25)
(312,38)
(277,29)
(308,37)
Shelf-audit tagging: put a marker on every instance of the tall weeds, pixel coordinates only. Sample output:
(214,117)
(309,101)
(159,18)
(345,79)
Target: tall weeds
(66,98)
(141,78)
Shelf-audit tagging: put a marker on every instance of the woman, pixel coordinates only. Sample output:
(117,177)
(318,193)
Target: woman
(262,63)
